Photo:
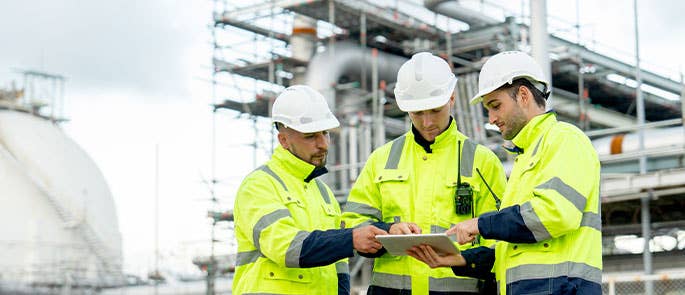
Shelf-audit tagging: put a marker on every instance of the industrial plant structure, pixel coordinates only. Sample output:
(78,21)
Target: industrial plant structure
(351,50)
(60,231)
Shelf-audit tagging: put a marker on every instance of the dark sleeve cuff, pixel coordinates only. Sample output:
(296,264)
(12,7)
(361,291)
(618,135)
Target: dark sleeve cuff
(382,225)
(325,247)
(505,225)
(479,262)
(374,255)
(343,284)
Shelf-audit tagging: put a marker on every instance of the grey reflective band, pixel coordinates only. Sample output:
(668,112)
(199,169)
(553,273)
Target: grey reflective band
(365,223)
(342,267)
(468,153)
(273,174)
(323,191)
(395,153)
(403,282)
(292,255)
(364,209)
(436,229)
(566,191)
(535,150)
(387,280)
(265,221)
(592,220)
(397,219)
(243,258)
(545,271)
(533,223)
(452,285)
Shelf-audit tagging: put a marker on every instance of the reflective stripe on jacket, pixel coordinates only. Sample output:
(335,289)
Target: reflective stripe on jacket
(402,182)
(552,203)
(275,211)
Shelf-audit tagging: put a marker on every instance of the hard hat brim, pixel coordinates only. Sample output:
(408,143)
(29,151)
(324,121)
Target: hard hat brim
(479,96)
(317,126)
(415,105)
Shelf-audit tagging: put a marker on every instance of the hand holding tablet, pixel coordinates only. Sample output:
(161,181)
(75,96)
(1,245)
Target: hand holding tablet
(397,245)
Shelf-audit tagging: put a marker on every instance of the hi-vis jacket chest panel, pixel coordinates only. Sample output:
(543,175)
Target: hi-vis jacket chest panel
(401,182)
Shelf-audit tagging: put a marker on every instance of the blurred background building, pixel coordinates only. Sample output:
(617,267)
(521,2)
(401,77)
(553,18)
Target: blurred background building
(351,51)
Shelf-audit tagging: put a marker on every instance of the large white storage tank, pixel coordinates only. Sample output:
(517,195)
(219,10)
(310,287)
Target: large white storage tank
(58,223)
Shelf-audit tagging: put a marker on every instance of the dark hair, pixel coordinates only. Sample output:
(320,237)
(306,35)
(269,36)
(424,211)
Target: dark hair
(513,88)
(278,125)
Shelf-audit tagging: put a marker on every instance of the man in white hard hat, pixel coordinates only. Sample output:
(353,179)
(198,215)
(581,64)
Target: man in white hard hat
(431,177)
(549,228)
(287,222)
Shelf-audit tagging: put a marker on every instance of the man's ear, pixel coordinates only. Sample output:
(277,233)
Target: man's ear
(525,94)
(282,140)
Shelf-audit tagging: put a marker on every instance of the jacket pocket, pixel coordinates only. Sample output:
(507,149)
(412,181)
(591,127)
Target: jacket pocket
(290,200)
(331,218)
(297,208)
(395,191)
(271,271)
(532,163)
(516,249)
(387,176)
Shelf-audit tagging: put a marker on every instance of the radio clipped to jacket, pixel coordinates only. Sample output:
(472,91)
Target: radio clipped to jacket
(463,196)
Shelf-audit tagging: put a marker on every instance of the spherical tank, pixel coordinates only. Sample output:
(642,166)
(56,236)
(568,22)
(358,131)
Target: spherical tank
(59,222)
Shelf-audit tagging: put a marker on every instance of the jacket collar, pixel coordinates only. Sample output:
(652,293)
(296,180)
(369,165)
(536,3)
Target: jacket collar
(296,166)
(529,133)
(441,140)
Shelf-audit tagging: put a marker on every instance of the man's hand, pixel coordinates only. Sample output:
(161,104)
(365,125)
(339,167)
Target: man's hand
(427,255)
(364,239)
(404,228)
(466,231)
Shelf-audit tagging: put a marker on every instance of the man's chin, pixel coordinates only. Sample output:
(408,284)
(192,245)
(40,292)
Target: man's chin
(318,163)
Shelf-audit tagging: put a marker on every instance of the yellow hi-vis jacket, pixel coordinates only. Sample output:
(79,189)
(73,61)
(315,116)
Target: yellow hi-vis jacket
(553,227)
(401,182)
(275,210)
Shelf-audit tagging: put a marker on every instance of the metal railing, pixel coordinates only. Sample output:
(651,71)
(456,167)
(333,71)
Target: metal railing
(667,284)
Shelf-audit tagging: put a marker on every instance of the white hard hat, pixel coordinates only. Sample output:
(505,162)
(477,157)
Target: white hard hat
(304,109)
(504,68)
(424,82)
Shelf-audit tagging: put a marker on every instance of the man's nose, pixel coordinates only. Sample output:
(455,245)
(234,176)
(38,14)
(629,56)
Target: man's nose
(322,140)
(491,117)
(427,121)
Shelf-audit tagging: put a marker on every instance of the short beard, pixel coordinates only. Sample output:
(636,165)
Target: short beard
(517,121)
(323,163)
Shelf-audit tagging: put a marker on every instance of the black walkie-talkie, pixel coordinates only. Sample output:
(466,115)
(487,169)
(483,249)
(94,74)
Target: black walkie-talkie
(463,197)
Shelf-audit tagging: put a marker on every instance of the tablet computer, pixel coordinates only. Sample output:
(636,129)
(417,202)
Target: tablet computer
(397,245)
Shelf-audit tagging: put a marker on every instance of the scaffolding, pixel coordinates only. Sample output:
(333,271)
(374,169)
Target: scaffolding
(364,42)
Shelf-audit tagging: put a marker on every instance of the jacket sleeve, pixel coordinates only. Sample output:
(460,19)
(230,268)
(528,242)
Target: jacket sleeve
(568,171)
(364,204)
(494,176)
(262,216)
(479,263)
(364,201)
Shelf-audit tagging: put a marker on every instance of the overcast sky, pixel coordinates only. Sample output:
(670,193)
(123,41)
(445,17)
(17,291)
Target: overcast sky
(137,74)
